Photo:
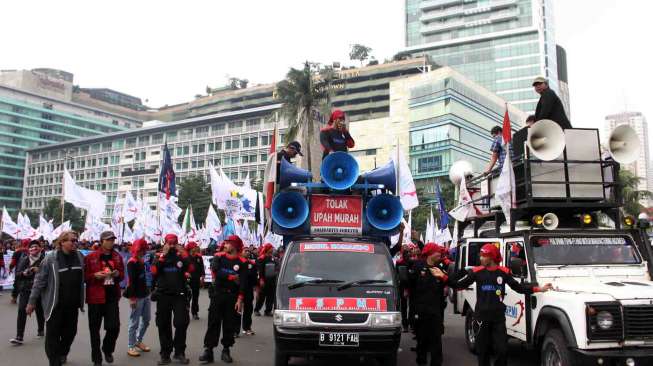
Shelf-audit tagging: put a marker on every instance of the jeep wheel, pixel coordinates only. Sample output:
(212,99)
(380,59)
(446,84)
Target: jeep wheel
(555,351)
(471,331)
(280,358)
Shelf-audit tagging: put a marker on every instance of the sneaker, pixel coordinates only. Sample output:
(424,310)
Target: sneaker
(226,356)
(165,360)
(249,332)
(16,341)
(206,356)
(108,358)
(133,352)
(181,358)
(141,346)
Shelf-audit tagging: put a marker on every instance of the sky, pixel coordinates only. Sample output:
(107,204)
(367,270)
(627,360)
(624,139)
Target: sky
(165,52)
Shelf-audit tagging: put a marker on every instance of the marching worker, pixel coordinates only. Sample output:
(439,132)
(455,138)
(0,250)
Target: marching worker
(59,286)
(429,299)
(335,136)
(491,280)
(549,106)
(267,288)
(196,277)
(104,271)
(170,271)
(248,300)
(138,293)
(229,271)
(13,263)
(26,270)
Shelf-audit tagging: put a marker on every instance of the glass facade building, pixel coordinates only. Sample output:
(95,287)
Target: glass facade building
(500,44)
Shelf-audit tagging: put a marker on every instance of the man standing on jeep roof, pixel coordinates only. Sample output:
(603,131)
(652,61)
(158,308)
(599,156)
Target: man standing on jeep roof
(491,280)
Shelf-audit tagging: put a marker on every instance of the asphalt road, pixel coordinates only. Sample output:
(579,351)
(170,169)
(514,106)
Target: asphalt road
(254,350)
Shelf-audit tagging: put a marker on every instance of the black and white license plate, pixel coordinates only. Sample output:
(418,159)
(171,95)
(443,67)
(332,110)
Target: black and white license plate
(339,339)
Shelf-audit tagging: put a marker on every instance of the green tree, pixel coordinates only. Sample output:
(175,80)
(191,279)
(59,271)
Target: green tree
(52,211)
(300,97)
(631,195)
(194,190)
(359,52)
(428,202)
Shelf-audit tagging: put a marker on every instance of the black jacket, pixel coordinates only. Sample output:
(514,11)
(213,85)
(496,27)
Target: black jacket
(429,291)
(137,284)
(24,274)
(170,273)
(550,107)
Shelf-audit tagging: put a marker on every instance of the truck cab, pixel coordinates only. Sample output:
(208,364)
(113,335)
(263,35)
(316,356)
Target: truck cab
(337,298)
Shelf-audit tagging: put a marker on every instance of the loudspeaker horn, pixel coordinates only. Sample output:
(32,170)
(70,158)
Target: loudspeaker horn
(384,212)
(460,169)
(623,144)
(339,170)
(289,209)
(289,174)
(546,140)
(383,175)
(550,221)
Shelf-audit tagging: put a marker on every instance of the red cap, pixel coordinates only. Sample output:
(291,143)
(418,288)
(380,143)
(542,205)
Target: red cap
(191,245)
(430,249)
(171,237)
(236,242)
(491,251)
(335,115)
(139,245)
(24,243)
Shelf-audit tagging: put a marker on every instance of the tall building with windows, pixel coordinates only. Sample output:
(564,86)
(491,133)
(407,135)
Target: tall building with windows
(637,121)
(37,109)
(500,44)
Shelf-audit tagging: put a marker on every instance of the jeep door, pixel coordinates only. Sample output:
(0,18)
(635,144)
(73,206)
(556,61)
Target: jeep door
(516,305)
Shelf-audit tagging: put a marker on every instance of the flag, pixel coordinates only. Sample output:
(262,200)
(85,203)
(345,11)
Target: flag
(505,192)
(45,227)
(59,230)
(442,210)
(26,229)
(9,226)
(430,231)
(92,201)
(248,198)
(130,208)
(271,170)
(405,184)
(465,206)
(167,176)
(216,186)
(213,224)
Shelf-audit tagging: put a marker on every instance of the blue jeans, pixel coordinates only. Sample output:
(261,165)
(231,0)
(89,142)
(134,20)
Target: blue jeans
(139,320)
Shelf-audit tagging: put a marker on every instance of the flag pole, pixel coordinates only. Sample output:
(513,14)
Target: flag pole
(63,193)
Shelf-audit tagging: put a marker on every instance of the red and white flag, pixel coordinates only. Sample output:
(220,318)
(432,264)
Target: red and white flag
(505,193)
(271,170)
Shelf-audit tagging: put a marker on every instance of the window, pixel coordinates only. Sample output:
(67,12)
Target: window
(227,145)
(253,124)
(235,126)
(235,144)
(143,140)
(131,142)
(264,140)
(429,164)
(202,131)
(211,146)
(157,139)
(253,141)
(171,136)
(201,148)
(218,129)
(245,159)
(245,142)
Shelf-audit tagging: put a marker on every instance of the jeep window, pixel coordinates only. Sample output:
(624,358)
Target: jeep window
(584,250)
(337,266)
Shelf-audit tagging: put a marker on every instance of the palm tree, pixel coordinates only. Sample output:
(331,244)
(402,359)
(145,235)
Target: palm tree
(302,93)
(631,195)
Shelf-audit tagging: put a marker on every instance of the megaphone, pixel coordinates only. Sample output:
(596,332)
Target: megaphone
(385,175)
(289,173)
(546,140)
(460,169)
(339,170)
(289,209)
(550,221)
(384,212)
(623,144)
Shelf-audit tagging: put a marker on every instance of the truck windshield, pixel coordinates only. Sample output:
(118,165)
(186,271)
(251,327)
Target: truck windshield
(339,264)
(584,250)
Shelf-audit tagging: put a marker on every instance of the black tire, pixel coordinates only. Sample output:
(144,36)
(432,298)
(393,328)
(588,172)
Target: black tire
(554,350)
(280,358)
(389,360)
(471,331)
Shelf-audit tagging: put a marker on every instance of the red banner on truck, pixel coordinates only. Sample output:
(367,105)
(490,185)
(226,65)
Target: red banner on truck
(340,215)
(338,304)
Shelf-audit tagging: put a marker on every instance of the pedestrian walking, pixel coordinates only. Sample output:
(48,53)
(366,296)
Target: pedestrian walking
(196,277)
(26,270)
(138,294)
(267,286)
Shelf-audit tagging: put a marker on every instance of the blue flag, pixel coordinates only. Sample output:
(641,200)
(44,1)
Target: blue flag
(444,216)
(167,175)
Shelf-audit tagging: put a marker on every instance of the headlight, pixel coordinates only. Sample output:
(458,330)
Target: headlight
(604,320)
(289,318)
(386,320)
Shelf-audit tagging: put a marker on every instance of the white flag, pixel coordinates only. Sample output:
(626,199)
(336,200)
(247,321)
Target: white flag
(60,229)
(9,226)
(505,192)
(45,228)
(213,225)
(465,206)
(430,237)
(169,207)
(130,208)
(406,186)
(92,201)
(247,197)
(216,186)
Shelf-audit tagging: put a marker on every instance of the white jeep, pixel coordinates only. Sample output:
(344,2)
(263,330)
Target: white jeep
(602,305)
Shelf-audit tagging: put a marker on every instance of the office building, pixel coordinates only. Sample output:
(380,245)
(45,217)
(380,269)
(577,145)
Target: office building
(501,45)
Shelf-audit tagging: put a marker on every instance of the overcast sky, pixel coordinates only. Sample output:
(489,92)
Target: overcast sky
(168,51)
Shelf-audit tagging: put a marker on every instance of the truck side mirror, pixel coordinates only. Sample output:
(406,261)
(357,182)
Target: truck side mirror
(517,267)
(403,273)
(270,271)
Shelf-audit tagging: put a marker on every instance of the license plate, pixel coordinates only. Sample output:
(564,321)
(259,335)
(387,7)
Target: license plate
(339,339)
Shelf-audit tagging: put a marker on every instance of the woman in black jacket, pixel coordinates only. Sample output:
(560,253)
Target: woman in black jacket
(26,269)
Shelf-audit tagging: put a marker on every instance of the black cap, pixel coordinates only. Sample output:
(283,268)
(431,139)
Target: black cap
(297,146)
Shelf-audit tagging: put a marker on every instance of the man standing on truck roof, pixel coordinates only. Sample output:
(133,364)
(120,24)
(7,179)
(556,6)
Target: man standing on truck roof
(491,280)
